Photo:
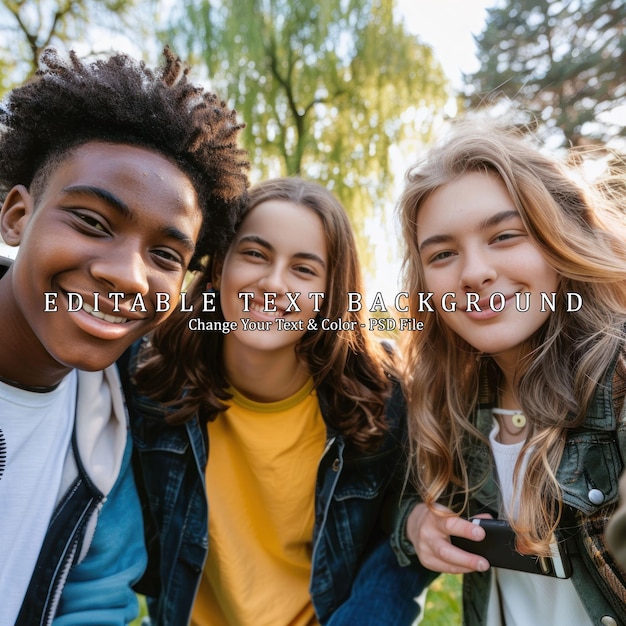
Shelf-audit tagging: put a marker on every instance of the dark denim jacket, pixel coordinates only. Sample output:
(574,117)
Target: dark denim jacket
(592,461)
(350,492)
(61,546)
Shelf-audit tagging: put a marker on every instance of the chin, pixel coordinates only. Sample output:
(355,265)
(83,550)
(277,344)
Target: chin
(91,364)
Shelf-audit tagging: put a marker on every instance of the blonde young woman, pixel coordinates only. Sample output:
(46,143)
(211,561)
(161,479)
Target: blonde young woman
(515,408)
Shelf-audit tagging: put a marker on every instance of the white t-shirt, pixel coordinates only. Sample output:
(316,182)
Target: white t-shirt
(35,434)
(527,599)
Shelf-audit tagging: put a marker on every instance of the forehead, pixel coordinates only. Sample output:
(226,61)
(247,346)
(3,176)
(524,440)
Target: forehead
(471,195)
(100,159)
(287,224)
(149,184)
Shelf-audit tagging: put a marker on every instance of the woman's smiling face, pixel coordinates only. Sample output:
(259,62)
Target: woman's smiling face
(472,239)
(279,248)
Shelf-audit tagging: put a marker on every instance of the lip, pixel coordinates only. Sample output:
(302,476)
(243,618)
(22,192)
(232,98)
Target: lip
(257,311)
(113,319)
(108,326)
(487,313)
(102,329)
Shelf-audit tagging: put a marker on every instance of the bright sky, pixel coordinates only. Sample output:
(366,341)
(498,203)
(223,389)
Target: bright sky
(448,26)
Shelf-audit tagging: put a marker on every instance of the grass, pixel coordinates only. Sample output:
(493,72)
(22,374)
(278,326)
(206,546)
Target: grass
(142,611)
(442,608)
(443,602)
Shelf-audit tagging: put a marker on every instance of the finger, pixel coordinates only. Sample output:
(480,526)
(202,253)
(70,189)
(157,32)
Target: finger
(446,558)
(463,528)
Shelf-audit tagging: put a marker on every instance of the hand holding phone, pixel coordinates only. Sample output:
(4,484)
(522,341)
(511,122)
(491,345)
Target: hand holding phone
(429,528)
(498,547)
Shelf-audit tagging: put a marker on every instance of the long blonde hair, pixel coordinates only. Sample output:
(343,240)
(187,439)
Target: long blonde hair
(583,239)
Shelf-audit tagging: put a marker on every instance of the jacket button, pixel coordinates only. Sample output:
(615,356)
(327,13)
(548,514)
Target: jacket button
(336,465)
(595,496)
(607,620)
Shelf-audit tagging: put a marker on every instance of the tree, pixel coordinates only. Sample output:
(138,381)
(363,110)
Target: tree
(564,61)
(29,26)
(324,87)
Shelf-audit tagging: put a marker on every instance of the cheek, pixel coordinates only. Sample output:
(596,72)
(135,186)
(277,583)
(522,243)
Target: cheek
(231,304)
(551,278)
(449,319)
(538,275)
(307,305)
(166,289)
(234,275)
(171,283)
(438,282)
(535,264)
(229,292)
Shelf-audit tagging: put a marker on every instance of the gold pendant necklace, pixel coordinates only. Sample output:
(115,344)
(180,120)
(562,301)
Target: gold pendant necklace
(518,419)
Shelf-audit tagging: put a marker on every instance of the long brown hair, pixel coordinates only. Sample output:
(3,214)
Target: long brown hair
(566,359)
(349,366)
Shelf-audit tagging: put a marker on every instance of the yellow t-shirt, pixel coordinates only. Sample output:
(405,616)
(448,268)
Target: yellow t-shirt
(260,478)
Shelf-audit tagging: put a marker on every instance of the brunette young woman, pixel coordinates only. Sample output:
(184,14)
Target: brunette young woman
(306,429)
(516,398)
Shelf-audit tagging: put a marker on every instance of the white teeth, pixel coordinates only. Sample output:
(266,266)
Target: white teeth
(113,319)
(259,309)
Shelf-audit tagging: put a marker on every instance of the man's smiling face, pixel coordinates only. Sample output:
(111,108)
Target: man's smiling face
(110,218)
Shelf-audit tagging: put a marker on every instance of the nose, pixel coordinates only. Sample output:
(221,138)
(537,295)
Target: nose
(123,270)
(477,270)
(273,280)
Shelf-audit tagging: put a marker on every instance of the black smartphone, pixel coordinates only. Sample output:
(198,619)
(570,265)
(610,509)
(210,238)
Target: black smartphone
(498,547)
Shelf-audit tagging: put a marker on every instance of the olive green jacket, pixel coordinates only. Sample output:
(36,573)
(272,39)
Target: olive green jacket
(616,528)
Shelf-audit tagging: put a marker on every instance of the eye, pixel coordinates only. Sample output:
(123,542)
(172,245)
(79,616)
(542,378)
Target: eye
(304,269)
(507,236)
(440,256)
(253,253)
(92,221)
(169,256)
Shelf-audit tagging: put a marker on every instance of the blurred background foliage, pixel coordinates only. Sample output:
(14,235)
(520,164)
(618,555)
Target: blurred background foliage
(328,89)
(323,86)
(563,61)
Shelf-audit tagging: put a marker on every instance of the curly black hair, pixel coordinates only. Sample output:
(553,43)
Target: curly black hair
(70,102)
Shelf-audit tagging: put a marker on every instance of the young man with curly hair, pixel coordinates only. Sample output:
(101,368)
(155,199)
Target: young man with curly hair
(116,179)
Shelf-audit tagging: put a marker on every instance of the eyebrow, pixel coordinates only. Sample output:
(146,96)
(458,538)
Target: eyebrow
(102,194)
(498,218)
(309,256)
(125,211)
(492,220)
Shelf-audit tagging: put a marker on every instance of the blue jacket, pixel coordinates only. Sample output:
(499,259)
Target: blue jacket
(351,490)
(93,551)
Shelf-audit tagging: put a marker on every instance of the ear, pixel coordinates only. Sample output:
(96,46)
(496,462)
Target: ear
(15,214)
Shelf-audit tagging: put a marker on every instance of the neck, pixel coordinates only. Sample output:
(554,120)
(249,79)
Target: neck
(507,367)
(510,430)
(33,388)
(24,361)
(508,399)
(263,376)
